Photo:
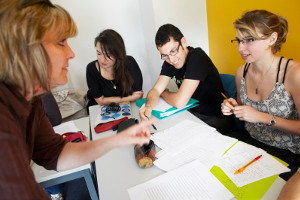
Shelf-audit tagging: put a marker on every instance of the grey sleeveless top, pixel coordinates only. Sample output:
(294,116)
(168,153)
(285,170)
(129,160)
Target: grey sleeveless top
(278,103)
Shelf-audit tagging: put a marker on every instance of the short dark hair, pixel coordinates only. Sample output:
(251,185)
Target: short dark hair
(165,32)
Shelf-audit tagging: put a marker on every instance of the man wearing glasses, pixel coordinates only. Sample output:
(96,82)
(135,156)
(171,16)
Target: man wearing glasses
(195,75)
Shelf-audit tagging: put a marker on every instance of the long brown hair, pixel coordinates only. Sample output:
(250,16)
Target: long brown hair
(112,44)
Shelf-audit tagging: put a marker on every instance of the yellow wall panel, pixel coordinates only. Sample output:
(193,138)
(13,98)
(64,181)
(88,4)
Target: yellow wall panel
(220,18)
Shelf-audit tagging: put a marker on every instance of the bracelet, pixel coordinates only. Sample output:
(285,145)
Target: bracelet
(272,121)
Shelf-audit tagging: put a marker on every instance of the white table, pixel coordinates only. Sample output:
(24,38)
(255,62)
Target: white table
(47,178)
(117,171)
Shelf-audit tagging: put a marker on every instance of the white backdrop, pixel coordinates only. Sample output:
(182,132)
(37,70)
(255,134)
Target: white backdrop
(137,22)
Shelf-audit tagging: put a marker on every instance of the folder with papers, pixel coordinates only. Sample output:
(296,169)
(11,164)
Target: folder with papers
(221,155)
(163,109)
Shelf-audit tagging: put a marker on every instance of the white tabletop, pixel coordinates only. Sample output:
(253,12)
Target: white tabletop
(41,174)
(117,171)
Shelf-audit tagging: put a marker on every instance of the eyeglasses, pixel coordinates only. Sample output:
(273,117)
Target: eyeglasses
(172,53)
(26,3)
(245,41)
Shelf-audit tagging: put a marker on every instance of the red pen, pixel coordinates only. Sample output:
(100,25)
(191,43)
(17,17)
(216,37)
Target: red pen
(243,168)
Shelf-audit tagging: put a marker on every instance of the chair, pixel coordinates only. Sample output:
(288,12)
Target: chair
(229,85)
(51,109)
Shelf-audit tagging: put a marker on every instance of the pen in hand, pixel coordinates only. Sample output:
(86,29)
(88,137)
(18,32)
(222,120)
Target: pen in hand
(226,98)
(152,124)
(243,168)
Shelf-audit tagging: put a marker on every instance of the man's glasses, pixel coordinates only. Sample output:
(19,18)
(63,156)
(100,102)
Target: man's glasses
(245,41)
(26,3)
(172,53)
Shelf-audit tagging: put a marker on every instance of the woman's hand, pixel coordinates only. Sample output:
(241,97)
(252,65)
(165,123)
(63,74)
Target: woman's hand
(245,113)
(248,114)
(137,134)
(228,105)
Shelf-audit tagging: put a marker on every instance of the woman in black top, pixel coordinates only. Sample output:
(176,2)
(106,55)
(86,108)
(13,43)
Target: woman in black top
(114,76)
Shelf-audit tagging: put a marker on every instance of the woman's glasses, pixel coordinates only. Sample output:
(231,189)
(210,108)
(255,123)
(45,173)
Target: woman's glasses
(244,41)
(26,3)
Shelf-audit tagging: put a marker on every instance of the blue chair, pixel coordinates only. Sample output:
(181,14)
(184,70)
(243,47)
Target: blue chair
(229,85)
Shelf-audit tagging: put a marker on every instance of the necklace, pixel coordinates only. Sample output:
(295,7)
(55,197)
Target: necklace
(256,90)
(113,83)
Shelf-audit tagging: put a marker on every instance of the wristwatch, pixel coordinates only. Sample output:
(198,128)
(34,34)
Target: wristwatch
(272,121)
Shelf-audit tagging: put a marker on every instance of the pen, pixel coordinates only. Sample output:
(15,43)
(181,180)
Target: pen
(152,124)
(76,140)
(243,168)
(226,98)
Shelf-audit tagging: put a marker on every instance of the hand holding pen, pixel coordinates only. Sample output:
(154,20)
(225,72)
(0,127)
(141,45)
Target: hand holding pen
(152,124)
(226,110)
(227,99)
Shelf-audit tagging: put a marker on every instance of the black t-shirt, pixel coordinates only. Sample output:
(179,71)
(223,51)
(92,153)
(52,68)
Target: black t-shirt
(198,66)
(99,86)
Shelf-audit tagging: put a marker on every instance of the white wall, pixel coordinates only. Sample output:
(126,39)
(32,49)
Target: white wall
(137,22)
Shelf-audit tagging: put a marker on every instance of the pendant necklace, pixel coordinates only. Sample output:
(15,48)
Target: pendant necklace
(113,83)
(256,90)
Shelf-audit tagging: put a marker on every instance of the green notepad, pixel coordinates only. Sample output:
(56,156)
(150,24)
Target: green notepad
(172,111)
(253,191)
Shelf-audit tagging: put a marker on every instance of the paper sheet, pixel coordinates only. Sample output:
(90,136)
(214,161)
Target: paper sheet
(192,181)
(66,127)
(251,191)
(239,147)
(265,167)
(161,105)
(207,150)
(179,134)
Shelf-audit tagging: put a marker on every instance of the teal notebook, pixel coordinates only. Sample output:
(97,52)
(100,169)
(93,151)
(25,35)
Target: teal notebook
(171,111)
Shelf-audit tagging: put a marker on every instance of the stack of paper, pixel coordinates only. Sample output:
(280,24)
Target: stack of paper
(189,146)
(256,179)
(265,167)
(163,109)
(189,141)
(192,181)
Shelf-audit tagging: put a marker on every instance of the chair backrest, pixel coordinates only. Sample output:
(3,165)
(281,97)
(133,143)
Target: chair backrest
(229,85)
(51,109)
